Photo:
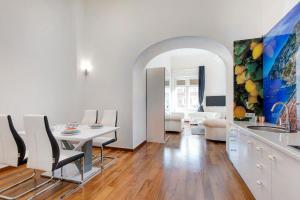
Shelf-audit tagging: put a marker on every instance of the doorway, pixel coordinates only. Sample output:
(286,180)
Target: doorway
(139,77)
(181,88)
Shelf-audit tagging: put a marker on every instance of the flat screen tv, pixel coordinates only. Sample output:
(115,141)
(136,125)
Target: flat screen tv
(215,101)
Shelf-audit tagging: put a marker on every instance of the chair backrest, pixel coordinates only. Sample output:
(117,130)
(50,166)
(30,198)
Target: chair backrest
(42,146)
(110,118)
(90,117)
(12,146)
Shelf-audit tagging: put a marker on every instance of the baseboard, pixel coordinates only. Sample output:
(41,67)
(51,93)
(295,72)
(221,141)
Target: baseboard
(167,138)
(127,149)
(140,146)
(119,148)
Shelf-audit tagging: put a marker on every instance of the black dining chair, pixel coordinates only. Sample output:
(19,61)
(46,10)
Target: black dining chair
(109,118)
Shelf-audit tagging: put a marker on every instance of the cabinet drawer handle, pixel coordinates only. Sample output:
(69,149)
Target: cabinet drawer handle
(271,157)
(233,150)
(259,183)
(259,166)
(258,148)
(232,140)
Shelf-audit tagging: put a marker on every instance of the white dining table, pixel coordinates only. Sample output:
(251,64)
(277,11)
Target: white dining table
(82,141)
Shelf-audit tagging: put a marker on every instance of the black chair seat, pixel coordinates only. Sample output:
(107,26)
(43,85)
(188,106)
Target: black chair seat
(68,156)
(109,142)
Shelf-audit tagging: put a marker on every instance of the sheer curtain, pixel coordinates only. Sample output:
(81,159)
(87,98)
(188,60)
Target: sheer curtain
(201,87)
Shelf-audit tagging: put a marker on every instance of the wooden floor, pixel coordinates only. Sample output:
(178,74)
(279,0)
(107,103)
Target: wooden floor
(186,167)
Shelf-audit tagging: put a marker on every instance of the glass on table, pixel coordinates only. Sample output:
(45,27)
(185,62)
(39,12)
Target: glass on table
(72,125)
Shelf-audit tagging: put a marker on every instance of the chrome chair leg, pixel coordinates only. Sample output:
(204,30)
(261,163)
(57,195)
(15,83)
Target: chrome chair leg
(109,163)
(68,193)
(102,157)
(18,183)
(82,169)
(45,189)
(61,172)
(50,186)
(109,157)
(28,191)
(59,181)
(97,158)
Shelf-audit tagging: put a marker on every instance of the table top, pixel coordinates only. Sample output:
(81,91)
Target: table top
(85,134)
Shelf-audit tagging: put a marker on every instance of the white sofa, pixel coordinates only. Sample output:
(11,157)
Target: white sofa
(215,129)
(174,122)
(199,117)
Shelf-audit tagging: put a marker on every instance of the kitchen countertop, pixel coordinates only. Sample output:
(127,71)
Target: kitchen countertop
(280,141)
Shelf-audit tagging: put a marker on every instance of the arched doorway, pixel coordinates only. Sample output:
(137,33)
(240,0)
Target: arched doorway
(139,77)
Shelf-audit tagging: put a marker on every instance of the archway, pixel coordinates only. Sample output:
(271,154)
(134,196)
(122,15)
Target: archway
(139,77)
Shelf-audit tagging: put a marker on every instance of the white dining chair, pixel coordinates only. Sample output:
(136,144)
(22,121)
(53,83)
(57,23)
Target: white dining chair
(12,151)
(90,117)
(109,118)
(44,152)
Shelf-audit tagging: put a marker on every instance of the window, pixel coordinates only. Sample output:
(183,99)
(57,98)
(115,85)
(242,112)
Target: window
(180,98)
(193,98)
(186,95)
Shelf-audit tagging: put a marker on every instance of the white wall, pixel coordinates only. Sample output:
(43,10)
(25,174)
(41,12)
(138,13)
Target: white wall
(273,11)
(118,31)
(162,60)
(38,50)
(38,60)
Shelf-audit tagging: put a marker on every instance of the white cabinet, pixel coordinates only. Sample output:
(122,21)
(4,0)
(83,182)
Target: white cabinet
(254,160)
(285,176)
(244,158)
(254,165)
(262,171)
(156,105)
(232,145)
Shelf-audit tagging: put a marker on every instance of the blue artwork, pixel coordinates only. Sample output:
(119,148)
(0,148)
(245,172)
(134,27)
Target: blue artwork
(280,68)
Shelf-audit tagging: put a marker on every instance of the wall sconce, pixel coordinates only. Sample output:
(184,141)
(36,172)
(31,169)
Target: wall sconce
(86,67)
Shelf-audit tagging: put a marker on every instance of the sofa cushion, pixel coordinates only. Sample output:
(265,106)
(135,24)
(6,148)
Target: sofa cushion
(174,116)
(199,117)
(217,123)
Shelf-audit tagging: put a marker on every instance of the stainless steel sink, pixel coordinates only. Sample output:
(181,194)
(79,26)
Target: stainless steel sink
(273,129)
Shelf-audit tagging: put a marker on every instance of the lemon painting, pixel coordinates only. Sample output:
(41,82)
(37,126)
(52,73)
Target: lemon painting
(248,78)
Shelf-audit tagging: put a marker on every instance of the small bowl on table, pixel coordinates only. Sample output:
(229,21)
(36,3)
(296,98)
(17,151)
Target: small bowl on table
(70,131)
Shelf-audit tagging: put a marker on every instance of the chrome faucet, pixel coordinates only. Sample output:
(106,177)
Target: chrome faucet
(287,119)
